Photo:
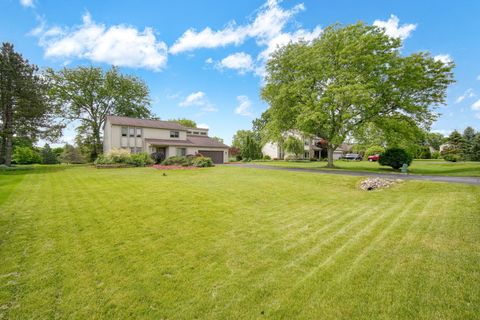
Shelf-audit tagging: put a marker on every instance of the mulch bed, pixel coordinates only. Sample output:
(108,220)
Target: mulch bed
(162,167)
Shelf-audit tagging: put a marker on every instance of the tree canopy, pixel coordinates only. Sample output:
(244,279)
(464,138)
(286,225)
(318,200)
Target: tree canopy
(185,122)
(89,94)
(351,77)
(25,112)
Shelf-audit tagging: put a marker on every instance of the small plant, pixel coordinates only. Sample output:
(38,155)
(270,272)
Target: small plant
(140,159)
(290,157)
(203,162)
(313,159)
(395,158)
(452,157)
(178,161)
(267,157)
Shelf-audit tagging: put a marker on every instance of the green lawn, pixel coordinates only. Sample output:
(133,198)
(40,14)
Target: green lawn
(428,167)
(234,243)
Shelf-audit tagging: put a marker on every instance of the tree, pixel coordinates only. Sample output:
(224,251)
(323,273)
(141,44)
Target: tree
(475,148)
(468,137)
(25,113)
(48,155)
(293,145)
(395,158)
(373,150)
(89,94)
(26,155)
(348,78)
(217,139)
(185,122)
(435,140)
(71,155)
(456,144)
(248,143)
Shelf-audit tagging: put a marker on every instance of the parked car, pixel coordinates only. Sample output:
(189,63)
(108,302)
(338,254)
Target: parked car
(374,157)
(352,156)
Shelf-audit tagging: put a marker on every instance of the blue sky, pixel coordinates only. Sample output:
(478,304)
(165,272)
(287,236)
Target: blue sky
(204,59)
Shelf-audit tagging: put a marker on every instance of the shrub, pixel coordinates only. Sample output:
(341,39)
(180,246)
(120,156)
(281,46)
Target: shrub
(436,155)
(118,156)
(395,158)
(178,161)
(71,154)
(203,162)
(26,155)
(238,157)
(373,150)
(267,157)
(290,157)
(452,157)
(313,159)
(140,159)
(157,157)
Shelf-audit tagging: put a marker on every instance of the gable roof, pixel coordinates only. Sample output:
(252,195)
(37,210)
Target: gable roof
(191,141)
(159,124)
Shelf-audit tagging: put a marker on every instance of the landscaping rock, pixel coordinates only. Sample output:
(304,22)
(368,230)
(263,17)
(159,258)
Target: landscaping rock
(377,183)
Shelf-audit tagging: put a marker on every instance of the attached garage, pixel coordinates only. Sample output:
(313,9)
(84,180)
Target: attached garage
(216,156)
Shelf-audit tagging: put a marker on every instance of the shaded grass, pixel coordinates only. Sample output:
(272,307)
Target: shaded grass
(234,243)
(426,167)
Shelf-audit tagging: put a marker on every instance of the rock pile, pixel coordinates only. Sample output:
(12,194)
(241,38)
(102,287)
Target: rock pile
(377,183)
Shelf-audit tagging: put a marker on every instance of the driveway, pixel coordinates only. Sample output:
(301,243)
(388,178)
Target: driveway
(464,180)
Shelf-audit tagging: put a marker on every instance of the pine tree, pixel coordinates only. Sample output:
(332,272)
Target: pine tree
(48,156)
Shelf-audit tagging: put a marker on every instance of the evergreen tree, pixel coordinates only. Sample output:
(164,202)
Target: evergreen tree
(468,136)
(24,107)
(48,155)
(71,155)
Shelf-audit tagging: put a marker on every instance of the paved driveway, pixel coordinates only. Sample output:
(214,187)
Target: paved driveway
(465,180)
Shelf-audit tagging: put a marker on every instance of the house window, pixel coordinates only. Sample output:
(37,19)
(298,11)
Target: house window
(306,142)
(139,132)
(174,134)
(131,131)
(181,152)
(124,131)
(195,132)
(203,133)
(306,155)
(189,132)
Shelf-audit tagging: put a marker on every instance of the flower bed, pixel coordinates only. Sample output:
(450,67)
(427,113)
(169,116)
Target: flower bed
(172,167)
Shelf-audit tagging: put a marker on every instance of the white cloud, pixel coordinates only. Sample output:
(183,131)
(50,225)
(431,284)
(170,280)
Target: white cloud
(27,3)
(445,58)
(393,29)
(239,61)
(119,45)
(203,126)
(467,94)
(476,105)
(244,107)
(478,77)
(198,99)
(267,28)
(209,61)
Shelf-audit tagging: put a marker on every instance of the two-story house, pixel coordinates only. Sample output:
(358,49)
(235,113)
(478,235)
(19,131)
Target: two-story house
(313,148)
(167,137)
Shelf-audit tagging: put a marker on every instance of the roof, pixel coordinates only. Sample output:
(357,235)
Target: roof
(127,121)
(191,141)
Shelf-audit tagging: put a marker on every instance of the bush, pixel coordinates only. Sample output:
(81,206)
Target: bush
(267,157)
(157,157)
(178,161)
(238,157)
(452,157)
(395,158)
(26,155)
(373,150)
(290,157)
(140,159)
(48,156)
(313,159)
(436,155)
(118,156)
(203,162)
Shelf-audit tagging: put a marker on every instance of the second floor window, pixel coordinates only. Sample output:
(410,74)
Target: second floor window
(174,134)
(139,132)
(124,131)
(131,131)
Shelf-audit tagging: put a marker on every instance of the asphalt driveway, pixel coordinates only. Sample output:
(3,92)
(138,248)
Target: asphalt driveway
(464,180)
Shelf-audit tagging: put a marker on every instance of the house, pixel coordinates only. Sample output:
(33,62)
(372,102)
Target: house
(313,148)
(166,137)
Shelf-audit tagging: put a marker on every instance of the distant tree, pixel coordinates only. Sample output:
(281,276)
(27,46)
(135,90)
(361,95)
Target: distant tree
(25,112)
(475,148)
(468,137)
(293,145)
(71,155)
(89,94)
(58,151)
(435,140)
(48,155)
(185,122)
(373,150)
(217,139)
(350,77)
(251,149)
(456,145)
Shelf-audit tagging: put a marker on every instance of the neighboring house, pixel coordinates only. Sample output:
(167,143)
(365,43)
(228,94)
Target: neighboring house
(312,149)
(167,137)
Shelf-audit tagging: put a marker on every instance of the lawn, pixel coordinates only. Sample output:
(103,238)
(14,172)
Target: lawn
(234,243)
(427,167)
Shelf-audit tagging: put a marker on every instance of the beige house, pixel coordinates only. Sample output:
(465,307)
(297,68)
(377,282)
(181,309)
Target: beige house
(167,137)
(312,148)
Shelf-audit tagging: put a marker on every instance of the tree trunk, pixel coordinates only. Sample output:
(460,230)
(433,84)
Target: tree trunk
(97,146)
(330,150)
(8,133)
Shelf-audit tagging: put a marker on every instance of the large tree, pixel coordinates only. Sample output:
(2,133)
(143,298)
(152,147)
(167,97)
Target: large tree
(89,94)
(25,113)
(350,77)
(185,122)
(248,143)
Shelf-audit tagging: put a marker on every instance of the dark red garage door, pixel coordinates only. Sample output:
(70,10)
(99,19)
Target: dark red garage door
(217,156)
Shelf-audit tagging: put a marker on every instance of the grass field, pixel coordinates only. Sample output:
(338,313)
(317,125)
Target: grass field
(427,167)
(234,243)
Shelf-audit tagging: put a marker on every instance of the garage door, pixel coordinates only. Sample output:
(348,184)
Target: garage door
(217,156)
